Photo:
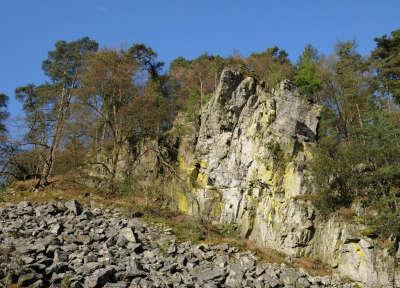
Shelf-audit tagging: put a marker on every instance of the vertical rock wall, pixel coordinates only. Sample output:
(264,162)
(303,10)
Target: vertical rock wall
(248,168)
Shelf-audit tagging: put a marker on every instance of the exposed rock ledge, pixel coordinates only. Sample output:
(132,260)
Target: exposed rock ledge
(249,168)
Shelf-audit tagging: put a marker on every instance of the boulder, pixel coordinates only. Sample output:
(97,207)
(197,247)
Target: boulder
(74,207)
(100,278)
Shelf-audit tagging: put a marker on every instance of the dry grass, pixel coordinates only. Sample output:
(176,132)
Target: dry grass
(312,266)
(185,227)
(188,228)
(346,214)
(65,189)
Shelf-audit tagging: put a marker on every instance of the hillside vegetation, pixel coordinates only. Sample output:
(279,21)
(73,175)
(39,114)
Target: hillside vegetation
(100,105)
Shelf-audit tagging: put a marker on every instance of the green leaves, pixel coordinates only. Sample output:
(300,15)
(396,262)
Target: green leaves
(271,65)
(307,78)
(194,81)
(386,59)
(364,168)
(63,63)
(357,160)
(147,59)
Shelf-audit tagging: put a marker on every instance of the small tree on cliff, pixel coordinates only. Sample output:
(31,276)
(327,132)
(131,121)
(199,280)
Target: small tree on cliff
(195,80)
(271,65)
(307,77)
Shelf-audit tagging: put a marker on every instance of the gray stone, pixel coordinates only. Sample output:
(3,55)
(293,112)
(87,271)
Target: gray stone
(55,228)
(90,258)
(23,205)
(27,259)
(246,130)
(122,241)
(89,268)
(235,276)
(59,267)
(128,234)
(100,277)
(135,247)
(303,283)
(60,256)
(38,284)
(74,207)
(289,277)
(119,284)
(211,274)
(28,279)
(158,260)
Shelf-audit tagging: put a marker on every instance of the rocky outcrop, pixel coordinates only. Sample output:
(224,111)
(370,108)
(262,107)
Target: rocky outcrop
(66,245)
(249,169)
(345,247)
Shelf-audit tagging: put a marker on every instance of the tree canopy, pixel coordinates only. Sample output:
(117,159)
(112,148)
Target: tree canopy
(307,78)
(386,58)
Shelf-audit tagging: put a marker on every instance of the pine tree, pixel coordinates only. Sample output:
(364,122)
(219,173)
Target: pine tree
(307,78)
(51,101)
(386,59)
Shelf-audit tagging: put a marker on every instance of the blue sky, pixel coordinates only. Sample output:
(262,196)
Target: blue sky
(29,28)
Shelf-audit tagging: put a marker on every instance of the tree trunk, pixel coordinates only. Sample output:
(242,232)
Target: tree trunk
(49,161)
(201,95)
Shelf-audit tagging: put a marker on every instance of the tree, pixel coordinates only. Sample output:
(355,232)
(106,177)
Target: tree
(107,90)
(121,112)
(386,59)
(363,170)
(307,76)
(271,65)
(196,79)
(354,92)
(34,100)
(147,59)
(3,137)
(356,162)
(62,67)
(3,116)
(346,92)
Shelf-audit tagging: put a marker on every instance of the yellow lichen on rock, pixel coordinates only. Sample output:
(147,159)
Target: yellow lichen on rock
(184,166)
(217,205)
(292,181)
(182,163)
(266,175)
(201,180)
(358,250)
(269,217)
(203,163)
(183,204)
(276,204)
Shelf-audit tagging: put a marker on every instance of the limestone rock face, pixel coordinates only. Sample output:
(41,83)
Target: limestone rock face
(249,169)
(250,155)
(343,247)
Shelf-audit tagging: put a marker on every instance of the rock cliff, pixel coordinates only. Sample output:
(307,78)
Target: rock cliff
(248,168)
